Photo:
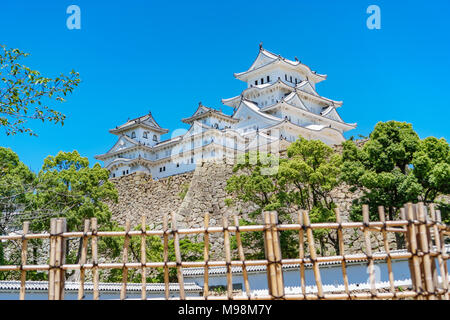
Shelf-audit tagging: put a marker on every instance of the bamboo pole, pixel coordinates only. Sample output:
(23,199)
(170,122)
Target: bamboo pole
(52,258)
(441,262)
(226,235)
(342,251)
(415,272)
(270,256)
(166,256)
(430,233)
(176,244)
(126,244)
(206,256)
(312,253)
(373,289)
(58,260)
(63,258)
(428,274)
(23,273)
(84,247)
(143,258)
(444,253)
(95,275)
(301,253)
(282,227)
(242,257)
(387,250)
(277,253)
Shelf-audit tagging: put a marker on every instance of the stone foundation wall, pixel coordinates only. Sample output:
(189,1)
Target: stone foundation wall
(204,191)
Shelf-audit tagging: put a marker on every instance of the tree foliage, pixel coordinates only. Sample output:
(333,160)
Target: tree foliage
(303,180)
(26,95)
(395,167)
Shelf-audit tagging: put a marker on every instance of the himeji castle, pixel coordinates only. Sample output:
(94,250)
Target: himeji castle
(279,104)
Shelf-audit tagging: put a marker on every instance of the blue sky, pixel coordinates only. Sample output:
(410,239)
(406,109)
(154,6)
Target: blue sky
(137,56)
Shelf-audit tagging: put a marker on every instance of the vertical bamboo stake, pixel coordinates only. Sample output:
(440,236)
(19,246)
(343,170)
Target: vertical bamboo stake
(429,231)
(443,250)
(366,232)
(312,253)
(408,247)
(426,254)
(413,246)
(441,262)
(95,295)
(206,256)
(83,257)
(301,252)
(52,258)
(126,244)
(226,244)
(387,249)
(342,250)
(270,256)
(176,243)
(58,259)
(63,258)
(166,255)
(143,258)
(23,273)
(277,253)
(242,257)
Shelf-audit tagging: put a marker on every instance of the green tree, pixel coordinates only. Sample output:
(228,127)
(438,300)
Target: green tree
(16,184)
(69,188)
(310,173)
(16,181)
(395,167)
(26,95)
(304,180)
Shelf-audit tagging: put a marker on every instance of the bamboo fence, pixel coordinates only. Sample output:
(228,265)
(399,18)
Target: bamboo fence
(424,233)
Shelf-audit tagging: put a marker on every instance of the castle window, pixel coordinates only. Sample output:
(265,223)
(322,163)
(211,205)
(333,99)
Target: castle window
(114,175)
(192,160)
(285,77)
(268,79)
(155,138)
(291,78)
(262,80)
(164,168)
(160,169)
(256,82)
(145,135)
(133,135)
(178,165)
(127,171)
(123,172)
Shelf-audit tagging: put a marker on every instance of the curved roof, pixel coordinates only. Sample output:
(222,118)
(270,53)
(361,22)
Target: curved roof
(266,58)
(286,102)
(146,121)
(204,111)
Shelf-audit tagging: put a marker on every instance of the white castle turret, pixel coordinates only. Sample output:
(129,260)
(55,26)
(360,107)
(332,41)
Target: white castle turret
(279,104)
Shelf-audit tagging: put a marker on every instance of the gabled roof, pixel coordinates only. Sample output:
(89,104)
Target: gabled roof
(204,111)
(306,86)
(124,141)
(266,58)
(232,102)
(249,105)
(146,121)
(294,101)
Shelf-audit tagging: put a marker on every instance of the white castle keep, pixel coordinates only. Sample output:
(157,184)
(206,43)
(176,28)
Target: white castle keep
(279,104)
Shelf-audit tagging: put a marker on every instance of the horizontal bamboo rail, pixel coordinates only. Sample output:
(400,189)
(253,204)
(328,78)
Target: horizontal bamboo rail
(424,233)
